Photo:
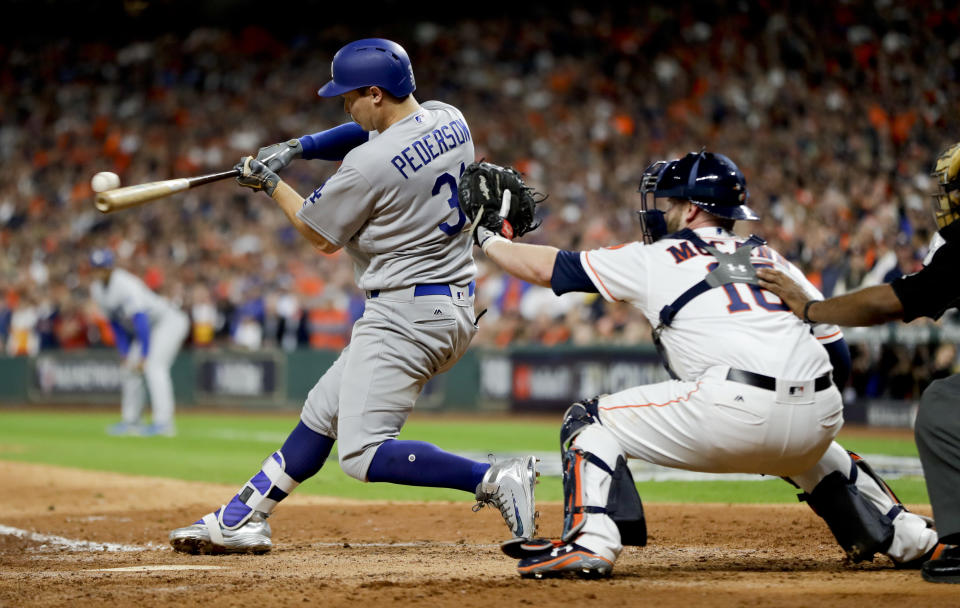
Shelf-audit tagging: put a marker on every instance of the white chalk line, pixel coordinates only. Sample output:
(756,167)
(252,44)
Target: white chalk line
(58,543)
(157,568)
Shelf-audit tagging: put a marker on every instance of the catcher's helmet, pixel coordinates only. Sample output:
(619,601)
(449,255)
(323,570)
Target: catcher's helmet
(946,200)
(101,258)
(710,181)
(370,62)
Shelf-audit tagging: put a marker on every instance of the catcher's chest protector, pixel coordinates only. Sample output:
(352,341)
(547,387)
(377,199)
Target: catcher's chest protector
(730,268)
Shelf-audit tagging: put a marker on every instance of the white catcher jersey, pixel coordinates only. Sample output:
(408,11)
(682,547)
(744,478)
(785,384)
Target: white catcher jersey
(124,295)
(739,325)
(393,203)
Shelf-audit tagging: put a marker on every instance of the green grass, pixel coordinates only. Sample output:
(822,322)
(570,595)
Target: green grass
(228,449)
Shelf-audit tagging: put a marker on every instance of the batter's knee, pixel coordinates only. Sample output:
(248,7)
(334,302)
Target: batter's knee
(355,458)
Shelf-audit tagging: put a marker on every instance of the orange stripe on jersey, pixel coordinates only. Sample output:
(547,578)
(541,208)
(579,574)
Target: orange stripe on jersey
(830,336)
(586,256)
(677,400)
(612,247)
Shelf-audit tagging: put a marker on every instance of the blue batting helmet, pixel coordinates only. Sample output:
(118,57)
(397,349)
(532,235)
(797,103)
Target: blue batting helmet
(101,258)
(370,62)
(710,181)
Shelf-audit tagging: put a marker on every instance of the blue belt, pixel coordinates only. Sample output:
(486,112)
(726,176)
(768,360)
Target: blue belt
(430,290)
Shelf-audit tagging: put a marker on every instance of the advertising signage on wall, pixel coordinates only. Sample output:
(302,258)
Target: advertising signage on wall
(541,380)
(240,378)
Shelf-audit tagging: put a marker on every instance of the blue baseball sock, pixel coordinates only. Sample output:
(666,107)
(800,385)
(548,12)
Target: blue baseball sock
(418,463)
(304,453)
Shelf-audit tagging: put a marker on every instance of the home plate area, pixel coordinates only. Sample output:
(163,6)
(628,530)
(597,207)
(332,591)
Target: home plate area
(85,538)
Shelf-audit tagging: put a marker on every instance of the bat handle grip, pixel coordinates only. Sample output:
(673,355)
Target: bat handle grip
(213,177)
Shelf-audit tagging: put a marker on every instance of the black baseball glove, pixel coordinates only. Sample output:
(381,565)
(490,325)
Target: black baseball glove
(482,191)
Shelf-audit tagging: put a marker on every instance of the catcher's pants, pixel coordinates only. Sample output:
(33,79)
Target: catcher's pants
(166,338)
(401,342)
(719,426)
(712,425)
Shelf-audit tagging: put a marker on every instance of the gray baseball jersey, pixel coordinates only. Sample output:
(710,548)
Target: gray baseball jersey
(393,207)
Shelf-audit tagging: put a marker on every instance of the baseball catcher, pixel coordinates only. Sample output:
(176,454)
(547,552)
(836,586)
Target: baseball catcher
(497,202)
(754,389)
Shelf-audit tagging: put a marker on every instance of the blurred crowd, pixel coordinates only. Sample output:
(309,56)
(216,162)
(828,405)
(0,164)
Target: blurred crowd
(834,111)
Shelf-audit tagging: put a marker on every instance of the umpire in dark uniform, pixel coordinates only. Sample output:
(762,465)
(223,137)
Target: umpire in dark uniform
(927,293)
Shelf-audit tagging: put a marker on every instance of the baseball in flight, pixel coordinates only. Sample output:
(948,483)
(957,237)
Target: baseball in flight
(105,180)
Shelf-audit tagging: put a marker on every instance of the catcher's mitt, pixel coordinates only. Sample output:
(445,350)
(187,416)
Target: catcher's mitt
(495,198)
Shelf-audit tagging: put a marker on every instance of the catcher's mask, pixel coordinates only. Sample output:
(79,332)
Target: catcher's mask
(710,181)
(653,224)
(946,200)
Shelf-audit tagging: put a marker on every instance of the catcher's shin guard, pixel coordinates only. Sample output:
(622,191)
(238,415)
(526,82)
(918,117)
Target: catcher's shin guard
(863,512)
(860,528)
(865,515)
(602,510)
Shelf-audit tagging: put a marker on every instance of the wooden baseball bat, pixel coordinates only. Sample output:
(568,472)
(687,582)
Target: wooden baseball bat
(131,196)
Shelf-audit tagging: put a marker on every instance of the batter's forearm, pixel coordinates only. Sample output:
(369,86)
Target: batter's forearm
(291,202)
(530,263)
(869,306)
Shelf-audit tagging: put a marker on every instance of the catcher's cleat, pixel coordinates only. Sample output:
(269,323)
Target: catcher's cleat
(944,565)
(208,537)
(521,548)
(563,560)
(508,486)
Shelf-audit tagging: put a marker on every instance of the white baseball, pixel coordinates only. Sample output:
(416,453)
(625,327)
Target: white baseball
(105,180)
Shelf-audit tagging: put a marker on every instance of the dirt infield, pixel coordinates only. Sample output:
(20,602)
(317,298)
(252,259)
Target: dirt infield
(55,524)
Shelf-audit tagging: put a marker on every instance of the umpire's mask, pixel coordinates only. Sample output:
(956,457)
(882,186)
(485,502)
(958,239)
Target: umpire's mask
(946,200)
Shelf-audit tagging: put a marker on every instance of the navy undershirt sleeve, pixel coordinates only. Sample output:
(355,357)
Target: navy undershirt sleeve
(333,144)
(568,274)
(840,359)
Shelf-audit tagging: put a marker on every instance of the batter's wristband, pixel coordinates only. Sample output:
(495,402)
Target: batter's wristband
(806,311)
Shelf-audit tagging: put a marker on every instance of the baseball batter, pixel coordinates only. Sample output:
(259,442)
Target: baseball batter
(149,331)
(752,391)
(393,206)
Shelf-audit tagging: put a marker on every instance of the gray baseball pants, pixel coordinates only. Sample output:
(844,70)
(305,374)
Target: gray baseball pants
(937,431)
(401,342)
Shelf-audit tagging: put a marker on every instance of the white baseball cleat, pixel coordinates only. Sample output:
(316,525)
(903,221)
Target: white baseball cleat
(208,536)
(159,430)
(124,428)
(508,486)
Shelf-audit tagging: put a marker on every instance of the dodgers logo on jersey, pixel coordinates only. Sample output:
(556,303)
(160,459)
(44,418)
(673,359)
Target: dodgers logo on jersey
(314,196)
